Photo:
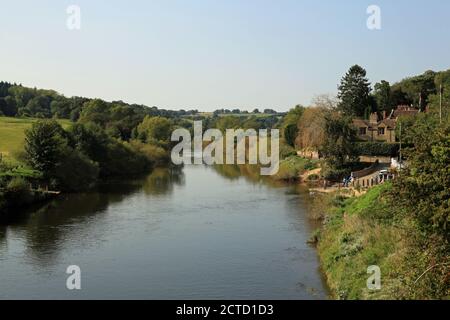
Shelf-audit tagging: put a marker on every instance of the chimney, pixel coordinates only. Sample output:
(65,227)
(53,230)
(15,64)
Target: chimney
(384,114)
(373,118)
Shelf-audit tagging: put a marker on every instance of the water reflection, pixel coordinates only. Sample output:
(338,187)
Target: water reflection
(163,180)
(69,218)
(194,233)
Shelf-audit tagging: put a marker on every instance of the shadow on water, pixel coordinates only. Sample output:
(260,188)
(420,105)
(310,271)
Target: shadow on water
(46,227)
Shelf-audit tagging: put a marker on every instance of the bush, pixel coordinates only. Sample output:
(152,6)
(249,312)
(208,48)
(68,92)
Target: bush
(286,151)
(335,174)
(17,192)
(122,160)
(75,172)
(313,177)
(377,149)
(155,154)
(292,167)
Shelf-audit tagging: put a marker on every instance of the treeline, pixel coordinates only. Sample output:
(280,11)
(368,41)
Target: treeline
(17,100)
(242,122)
(106,140)
(357,98)
(245,112)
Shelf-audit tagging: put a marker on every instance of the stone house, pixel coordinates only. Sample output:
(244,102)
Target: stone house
(381,129)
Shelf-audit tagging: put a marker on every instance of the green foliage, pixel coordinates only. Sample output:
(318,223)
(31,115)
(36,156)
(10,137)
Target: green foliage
(293,166)
(338,148)
(43,145)
(293,116)
(75,171)
(155,130)
(290,124)
(414,90)
(17,192)
(313,177)
(157,155)
(106,152)
(373,230)
(290,134)
(354,93)
(286,151)
(423,187)
(377,149)
(12,136)
(382,94)
(227,122)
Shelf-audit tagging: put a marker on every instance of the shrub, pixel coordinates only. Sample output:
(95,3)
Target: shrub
(17,192)
(155,154)
(286,151)
(292,167)
(377,149)
(75,172)
(313,177)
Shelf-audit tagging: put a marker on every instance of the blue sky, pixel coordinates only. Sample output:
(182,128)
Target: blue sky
(210,54)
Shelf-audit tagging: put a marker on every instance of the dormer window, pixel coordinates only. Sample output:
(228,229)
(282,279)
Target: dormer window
(381,131)
(362,131)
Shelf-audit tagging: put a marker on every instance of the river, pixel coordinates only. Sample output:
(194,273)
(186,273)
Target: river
(196,233)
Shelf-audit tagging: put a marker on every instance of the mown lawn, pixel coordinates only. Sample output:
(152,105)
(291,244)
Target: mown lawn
(12,134)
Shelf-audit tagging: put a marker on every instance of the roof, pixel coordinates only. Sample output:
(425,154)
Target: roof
(405,111)
(361,123)
(389,123)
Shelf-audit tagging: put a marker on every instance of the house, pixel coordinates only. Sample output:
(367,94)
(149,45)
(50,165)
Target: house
(381,129)
(375,129)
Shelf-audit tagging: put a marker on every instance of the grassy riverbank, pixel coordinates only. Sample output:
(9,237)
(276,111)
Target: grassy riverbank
(364,231)
(12,135)
(293,166)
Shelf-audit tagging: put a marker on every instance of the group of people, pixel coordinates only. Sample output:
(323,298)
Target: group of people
(347,180)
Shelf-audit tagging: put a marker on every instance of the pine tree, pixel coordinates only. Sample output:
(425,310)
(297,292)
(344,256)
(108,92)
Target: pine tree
(354,93)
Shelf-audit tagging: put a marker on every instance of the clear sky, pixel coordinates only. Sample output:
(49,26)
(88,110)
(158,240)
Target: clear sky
(210,54)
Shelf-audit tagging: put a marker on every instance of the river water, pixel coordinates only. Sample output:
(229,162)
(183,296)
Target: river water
(196,233)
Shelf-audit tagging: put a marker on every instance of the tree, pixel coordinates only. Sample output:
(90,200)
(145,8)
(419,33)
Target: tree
(382,94)
(290,134)
(354,93)
(311,128)
(293,115)
(416,90)
(43,146)
(290,121)
(75,171)
(96,111)
(325,101)
(155,130)
(339,148)
(423,186)
(227,122)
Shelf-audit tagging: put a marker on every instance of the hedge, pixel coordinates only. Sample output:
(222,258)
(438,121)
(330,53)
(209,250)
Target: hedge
(377,149)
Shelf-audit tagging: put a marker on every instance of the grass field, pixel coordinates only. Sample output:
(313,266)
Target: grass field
(12,134)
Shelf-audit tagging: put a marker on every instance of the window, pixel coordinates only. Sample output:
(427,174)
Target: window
(362,131)
(381,131)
